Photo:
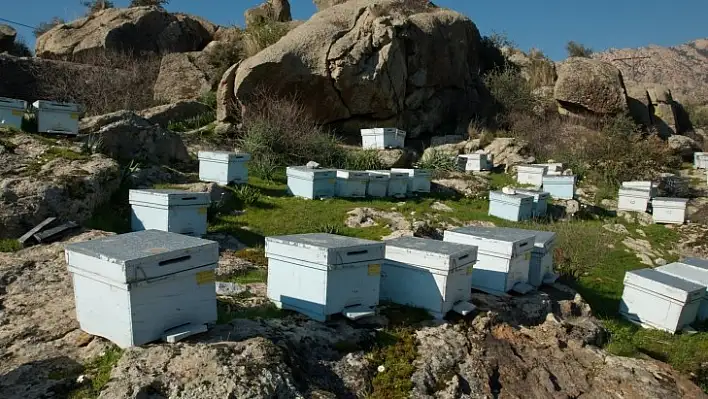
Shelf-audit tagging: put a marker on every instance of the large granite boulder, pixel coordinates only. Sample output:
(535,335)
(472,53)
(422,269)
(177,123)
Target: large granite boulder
(269,11)
(7,37)
(365,62)
(586,85)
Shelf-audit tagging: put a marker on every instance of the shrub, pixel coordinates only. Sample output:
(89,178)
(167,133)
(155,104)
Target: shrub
(95,6)
(20,48)
(144,3)
(261,35)
(511,94)
(698,114)
(575,49)
(362,160)
(110,82)
(223,56)
(43,27)
(278,132)
(541,71)
(438,161)
(192,123)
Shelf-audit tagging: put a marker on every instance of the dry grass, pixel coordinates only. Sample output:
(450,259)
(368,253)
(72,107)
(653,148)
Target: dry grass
(258,37)
(541,70)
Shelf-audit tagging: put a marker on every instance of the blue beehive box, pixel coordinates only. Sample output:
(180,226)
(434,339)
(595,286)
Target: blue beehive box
(223,167)
(11,112)
(561,187)
(140,287)
(429,274)
(320,275)
(397,182)
(176,211)
(657,300)
(541,264)
(57,117)
(540,201)
(503,257)
(311,183)
(418,180)
(514,207)
(377,185)
(351,184)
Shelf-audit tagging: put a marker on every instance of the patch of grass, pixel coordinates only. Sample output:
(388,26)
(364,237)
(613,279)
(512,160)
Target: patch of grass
(114,215)
(99,370)
(250,276)
(192,123)
(65,153)
(9,245)
(254,255)
(8,145)
(228,311)
(259,36)
(497,181)
(438,161)
(396,351)
(362,160)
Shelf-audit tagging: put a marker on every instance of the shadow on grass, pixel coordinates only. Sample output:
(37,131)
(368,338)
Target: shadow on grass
(228,311)
(247,237)
(114,215)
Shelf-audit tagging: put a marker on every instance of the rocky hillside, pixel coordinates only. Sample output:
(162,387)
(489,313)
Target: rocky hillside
(683,68)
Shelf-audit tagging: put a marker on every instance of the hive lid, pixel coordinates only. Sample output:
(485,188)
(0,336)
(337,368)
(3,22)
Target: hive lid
(635,193)
(492,240)
(304,172)
(352,174)
(391,174)
(381,130)
(224,156)
(322,248)
(413,172)
(13,103)
(683,271)
(56,106)
(636,184)
(474,156)
(696,262)
(515,198)
(168,197)
(543,239)
(668,202)
(433,254)
(532,168)
(665,285)
(142,254)
(540,194)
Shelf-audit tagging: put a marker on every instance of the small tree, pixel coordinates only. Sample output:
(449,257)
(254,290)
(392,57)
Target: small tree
(578,50)
(97,5)
(147,3)
(43,27)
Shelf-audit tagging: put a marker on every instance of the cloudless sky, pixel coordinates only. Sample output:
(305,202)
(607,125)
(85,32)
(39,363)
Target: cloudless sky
(544,24)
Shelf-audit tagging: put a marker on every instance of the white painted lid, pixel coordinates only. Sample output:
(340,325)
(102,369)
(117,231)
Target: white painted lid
(56,106)
(224,156)
(326,249)
(168,197)
(665,285)
(432,254)
(352,174)
(13,103)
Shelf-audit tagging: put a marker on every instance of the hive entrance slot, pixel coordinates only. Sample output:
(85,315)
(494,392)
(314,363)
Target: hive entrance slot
(189,198)
(174,260)
(463,257)
(357,252)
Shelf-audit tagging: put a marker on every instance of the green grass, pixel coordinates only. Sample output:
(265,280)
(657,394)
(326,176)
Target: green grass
(253,255)
(228,311)
(99,370)
(9,245)
(250,276)
(192,123)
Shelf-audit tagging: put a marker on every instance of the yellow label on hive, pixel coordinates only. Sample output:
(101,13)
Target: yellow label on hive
(527,256)
(202,211)
(331,181)
(74,116)
(17,113)
(469,270)
(205,277)
(374,269)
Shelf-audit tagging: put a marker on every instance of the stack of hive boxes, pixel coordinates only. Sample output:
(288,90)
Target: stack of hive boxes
(642,196)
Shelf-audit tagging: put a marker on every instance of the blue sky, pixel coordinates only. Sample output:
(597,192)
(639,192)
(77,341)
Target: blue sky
(600,24)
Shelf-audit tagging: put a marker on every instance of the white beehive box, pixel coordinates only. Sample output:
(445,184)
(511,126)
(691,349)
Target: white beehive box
(223,167)
(56,117)
(633,199)
(11,112)
(311,183)
(397,182)
(553,168)
(561,187)
(669,210)
(652,187)
(541,265)
(139,287)
(351,184)
(476,162)
(382,138)
(540,201)
(176,211)
(653,299)
(378,185)
(428,274)
(696,262)
(514,207)
(700,160)
(503,258)
(418,179)
(320,275)
(531,174)
(693,274)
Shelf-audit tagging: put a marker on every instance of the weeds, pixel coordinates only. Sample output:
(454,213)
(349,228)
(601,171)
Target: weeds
(259,36)
(9,245)
(192,123)
(99,371)
(438,161)
(362,160)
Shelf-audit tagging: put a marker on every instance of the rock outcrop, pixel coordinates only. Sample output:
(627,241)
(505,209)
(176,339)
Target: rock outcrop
(137,29)
(7,37)
(269,11)
(183,76)
(324,4)
(366,62)
(179,111)
(590,86)
(40,180)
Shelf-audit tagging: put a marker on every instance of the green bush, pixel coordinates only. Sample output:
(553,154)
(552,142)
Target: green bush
(362,160)
(575,49)
(192,123)
(144,3)
(511,94)
(223,56)
(259,36)
(698,114)
(436,160)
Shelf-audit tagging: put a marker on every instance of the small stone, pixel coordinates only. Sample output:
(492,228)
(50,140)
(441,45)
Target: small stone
(660,261)
(312,165)
(83,339)
(381,369)
(229,289)
(641,232)
(439,206)
(81,379)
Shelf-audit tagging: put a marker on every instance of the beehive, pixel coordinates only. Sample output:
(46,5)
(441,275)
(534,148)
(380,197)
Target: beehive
(554,168)
(139,287)
(476,162)
(378,185)
(320,275)
(503,257)
(693,274)
(669,210)
(11,112)
(696,262)
(382,138)
(397,182)
(56,117)
(541,265)
(657,300)
(223,167)
(428,274)
(540,201)
(418,180)
(635,200)
(531,174)
(514,207)
(351,184)
(561,187)
(700,160)
(652,187)
(176,211)
(311,183)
